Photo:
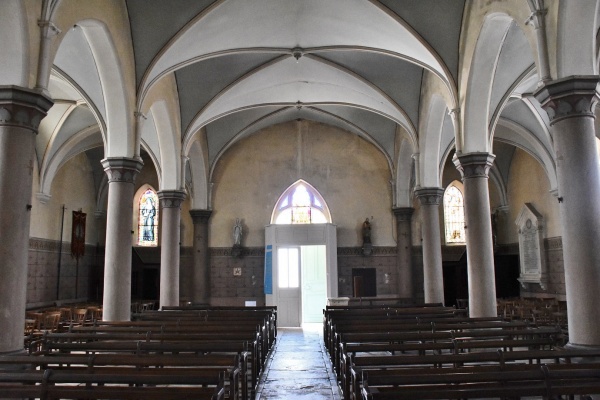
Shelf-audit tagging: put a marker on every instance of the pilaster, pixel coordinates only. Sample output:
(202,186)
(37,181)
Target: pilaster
(201,285)
(404,267)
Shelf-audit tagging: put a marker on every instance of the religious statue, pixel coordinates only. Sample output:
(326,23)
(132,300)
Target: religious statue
(236,251)
(367,247)
(237,233)
(366,231)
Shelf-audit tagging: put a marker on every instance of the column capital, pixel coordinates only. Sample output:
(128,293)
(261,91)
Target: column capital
(429,196)
(403,213)
(171,198)
(200,216)
(122,169)
(22,107)
(573,96)
(474,165)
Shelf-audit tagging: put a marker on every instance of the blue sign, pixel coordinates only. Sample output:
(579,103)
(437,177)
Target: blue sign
(269,269)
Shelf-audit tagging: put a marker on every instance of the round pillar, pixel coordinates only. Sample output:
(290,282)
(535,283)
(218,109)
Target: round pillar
(121,174)
(21,111)
(404,265)
(433,275)
(170,202)
(570,104)
(201,274)
(474,168)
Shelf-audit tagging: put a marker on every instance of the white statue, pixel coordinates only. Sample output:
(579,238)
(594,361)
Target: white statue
(237,233)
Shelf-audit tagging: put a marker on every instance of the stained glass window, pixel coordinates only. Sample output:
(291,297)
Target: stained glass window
(454,215)
(301,204)
(148,219)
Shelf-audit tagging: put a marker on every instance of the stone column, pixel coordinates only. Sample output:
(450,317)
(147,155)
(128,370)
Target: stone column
(201,287)
(570,104)
(404,251)
(21,111)
(433,275)
(170,202)
(474,168)
(119,219)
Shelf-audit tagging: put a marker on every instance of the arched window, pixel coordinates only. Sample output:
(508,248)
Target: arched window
(301,204)
(454,215)
(148,219)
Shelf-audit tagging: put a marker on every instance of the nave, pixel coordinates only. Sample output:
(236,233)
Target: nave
(298,367)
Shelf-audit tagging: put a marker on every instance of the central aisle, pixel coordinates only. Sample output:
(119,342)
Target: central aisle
(299,367)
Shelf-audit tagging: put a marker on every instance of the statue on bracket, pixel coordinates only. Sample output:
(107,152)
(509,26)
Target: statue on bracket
(367,247)
(236,251)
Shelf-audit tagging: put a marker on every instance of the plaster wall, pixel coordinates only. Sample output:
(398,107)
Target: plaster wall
(353,179)
(528,183)
(73,186)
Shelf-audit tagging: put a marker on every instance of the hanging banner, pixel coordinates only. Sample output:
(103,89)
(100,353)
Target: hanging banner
(78,235)
(269,270)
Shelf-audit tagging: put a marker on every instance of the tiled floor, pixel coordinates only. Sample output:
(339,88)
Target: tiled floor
(299,367)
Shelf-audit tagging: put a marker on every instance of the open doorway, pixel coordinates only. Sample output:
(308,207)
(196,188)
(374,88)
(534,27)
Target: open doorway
(301,284)
(300,271)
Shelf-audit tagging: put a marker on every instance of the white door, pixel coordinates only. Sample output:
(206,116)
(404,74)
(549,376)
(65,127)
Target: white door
(314,282)
(288,286)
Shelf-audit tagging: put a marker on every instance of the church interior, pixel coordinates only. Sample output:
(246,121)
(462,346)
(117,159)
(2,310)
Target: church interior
(221,155)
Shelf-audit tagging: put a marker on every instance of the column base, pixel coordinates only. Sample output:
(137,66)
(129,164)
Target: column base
(14,367)
(584,347)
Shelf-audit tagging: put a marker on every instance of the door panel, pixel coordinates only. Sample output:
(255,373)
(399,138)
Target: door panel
(288,282)
(314,283)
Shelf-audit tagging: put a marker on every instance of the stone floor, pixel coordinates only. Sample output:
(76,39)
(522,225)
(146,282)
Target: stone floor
(299,367)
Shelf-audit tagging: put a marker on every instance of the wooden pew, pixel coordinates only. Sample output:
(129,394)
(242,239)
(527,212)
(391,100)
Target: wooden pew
(349,320)
(77,385)
(463,340)
(116,345)
(486,382)
(355,367)
(266,318)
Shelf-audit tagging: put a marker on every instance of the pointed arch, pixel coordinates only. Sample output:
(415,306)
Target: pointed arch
(301,203)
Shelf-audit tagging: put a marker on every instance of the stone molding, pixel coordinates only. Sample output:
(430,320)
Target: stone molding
(573,96)
(358,251)
(341,251)
(430,196)
(39,244)
(43,198)
(474,165)
(403,213)
(200,216)
(245,251)
(122,169)
(23,108)
(171,198)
